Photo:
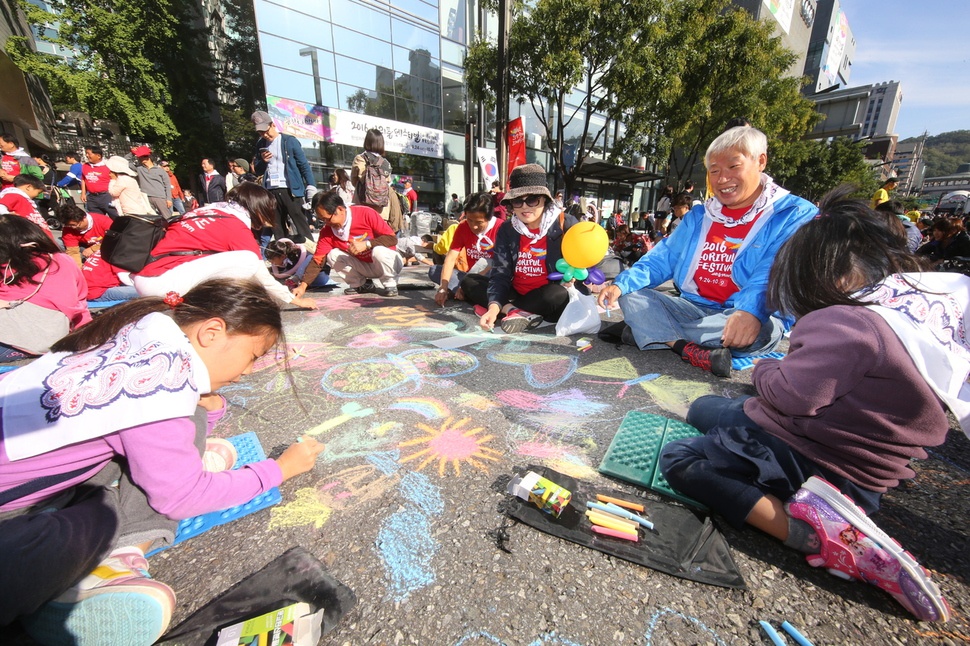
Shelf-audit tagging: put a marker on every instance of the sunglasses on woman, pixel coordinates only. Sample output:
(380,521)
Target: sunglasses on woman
(528,200)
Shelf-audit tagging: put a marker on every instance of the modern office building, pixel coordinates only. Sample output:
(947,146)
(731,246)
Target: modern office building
(882,109)
(909,166)
(792,20)
(831,50)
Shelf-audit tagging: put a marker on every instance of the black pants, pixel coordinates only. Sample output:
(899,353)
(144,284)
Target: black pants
(100,203)
(43,553)
(289,211)
(547,301)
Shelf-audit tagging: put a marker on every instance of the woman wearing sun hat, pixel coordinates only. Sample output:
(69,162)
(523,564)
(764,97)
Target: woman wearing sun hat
(129,200)
(528,244)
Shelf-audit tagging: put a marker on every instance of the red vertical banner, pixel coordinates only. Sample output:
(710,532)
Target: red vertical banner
(516,144)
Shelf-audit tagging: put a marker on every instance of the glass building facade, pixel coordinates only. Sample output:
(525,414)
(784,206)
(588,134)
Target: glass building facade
(402,62)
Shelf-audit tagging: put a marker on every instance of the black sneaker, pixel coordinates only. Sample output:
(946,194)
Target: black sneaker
(717,361)
(617,333)
(519,321)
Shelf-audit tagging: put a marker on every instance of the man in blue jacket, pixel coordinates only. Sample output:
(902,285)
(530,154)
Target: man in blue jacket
(719,258)
(286,174)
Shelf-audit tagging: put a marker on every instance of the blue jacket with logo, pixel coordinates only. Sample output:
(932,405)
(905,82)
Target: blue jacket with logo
(672,257)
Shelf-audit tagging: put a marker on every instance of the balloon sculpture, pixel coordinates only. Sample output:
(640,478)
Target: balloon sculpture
(584,245)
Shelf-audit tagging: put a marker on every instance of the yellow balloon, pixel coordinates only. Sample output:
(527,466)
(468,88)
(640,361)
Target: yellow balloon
(585,244)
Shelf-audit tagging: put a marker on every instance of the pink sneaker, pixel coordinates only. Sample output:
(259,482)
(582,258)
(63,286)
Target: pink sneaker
(118,604)
(220,455)
(853,547)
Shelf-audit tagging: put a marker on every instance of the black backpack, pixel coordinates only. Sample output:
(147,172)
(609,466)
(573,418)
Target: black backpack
(129,242)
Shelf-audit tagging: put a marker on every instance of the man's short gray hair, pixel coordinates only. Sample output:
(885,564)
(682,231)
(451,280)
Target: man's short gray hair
(749,141)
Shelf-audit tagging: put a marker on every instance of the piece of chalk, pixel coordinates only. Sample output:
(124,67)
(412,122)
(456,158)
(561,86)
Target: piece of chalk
(772,634)
(612,524)
(605,531)
(608,315)
(620,503)
(623,513)
(611,521)
(797,636)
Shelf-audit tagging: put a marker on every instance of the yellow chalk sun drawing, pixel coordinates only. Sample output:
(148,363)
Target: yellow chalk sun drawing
(452,443)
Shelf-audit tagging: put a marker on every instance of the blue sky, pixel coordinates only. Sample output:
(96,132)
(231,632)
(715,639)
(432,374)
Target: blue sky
(924,46)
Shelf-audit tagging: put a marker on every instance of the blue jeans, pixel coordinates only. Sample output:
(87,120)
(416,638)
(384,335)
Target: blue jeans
(10,353)
(657,318)
(735,463)
(434,275)
(119,293)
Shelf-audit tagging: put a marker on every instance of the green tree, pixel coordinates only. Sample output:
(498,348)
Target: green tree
(824,165)
(556,46)
(673,73)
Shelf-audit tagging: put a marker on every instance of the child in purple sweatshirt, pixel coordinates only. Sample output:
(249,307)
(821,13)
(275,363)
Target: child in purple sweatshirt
(874,356)
(101,455)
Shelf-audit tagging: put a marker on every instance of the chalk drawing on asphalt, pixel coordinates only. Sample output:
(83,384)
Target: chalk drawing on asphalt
(452,443)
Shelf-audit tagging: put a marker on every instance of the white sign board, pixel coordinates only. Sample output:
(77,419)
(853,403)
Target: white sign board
(349,128)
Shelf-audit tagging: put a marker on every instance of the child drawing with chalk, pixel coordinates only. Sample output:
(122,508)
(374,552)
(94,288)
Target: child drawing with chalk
(877,351)
(101,454)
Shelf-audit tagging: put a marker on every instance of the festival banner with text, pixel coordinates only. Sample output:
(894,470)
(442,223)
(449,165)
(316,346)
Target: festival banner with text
(319,123)
(516,143)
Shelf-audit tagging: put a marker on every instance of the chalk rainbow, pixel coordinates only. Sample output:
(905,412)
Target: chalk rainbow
(425,406)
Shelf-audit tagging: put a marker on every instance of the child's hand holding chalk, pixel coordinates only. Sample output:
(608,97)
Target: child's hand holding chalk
(299,457)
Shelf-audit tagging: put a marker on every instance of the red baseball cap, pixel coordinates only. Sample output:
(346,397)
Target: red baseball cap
(141,151)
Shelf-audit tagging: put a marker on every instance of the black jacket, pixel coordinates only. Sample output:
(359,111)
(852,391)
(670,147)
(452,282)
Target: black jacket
(507,253)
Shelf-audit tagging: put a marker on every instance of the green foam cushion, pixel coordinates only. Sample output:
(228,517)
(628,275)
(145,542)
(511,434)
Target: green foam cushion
(635,450)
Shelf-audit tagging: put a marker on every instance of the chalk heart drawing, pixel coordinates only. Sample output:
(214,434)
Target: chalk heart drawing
(378,339)
(406,370)
(451,443)
(305,509)
(541,370)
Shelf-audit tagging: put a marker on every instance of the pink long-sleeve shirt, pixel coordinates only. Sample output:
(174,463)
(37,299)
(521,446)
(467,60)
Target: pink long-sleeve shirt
(163,462)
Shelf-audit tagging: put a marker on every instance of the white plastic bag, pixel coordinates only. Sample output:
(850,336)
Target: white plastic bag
(580,316)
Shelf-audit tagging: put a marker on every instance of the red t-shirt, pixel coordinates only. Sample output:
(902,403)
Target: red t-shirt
(412,196)
(713,273)
(199,231)
(466,239)
(72,237)
(100,275)
(19,203)
(96,177)
(530,268)
(11,167)
(365,224)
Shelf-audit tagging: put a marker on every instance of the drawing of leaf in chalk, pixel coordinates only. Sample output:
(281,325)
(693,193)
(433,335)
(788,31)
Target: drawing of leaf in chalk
(451,443)
(305,509)
(675,395)
(541,370)
(619,368)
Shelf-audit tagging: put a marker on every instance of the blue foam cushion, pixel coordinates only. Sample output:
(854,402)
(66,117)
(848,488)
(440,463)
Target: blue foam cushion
(249,451)
(96,305)
(743,363)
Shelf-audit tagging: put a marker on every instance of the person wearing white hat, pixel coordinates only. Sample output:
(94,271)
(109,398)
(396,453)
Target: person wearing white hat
(129,199)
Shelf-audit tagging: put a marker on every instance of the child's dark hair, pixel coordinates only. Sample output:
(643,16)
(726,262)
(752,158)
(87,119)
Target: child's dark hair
(259,202)
(681,199)
(479,203)
(283,248)
(847,247)
(22,245)
(28,180)
(245,306)
(69,213)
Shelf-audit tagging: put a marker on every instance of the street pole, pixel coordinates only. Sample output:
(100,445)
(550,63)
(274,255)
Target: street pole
(502,90)
(315,66)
